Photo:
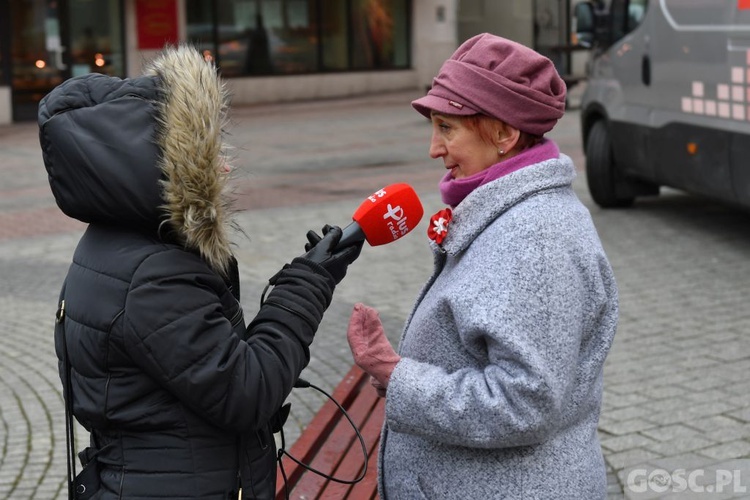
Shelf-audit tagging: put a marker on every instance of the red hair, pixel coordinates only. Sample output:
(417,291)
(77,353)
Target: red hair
(487,128)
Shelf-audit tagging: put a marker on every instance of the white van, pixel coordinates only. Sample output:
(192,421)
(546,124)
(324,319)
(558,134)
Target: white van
(667,101)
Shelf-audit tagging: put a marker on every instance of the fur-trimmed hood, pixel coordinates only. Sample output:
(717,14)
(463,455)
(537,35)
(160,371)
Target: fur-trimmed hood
(144,153)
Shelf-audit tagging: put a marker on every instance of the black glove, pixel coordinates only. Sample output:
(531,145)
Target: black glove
(322,250)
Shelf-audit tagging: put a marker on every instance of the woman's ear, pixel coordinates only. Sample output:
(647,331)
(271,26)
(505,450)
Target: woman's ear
(507,138)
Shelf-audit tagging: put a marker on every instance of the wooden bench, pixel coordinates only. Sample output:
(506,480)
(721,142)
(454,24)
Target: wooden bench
(329,444)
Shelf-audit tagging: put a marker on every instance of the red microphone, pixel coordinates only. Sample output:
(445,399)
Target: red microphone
(385,216)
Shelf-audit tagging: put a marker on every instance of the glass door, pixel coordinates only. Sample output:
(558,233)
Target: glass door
(52,40)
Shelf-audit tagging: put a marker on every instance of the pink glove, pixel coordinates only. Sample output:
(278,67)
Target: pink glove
(370,348)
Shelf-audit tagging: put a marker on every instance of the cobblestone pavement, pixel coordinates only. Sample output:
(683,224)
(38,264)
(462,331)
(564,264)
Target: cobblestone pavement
(676,404)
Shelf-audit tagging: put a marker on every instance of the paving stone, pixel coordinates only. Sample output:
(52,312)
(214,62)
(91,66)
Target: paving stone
(619,428)
(627,442)
(681,445)
(613,401)
(714,422)
(669,432)
(743,414)
(725,451)
(623,459)
(690,412)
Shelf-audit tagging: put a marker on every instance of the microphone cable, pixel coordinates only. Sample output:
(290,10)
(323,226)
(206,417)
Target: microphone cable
(302,383)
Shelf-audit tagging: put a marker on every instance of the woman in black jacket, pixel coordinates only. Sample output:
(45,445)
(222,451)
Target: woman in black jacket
(177,393)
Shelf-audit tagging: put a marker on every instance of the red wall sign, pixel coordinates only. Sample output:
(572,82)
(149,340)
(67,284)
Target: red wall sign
(157,23)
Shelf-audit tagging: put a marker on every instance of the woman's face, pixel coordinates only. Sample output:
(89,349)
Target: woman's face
(463,150)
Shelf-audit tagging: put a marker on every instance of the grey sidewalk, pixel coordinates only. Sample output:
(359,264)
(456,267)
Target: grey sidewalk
(676,386)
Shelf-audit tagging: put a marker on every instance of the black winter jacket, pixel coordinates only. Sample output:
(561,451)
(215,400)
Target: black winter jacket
(176,392)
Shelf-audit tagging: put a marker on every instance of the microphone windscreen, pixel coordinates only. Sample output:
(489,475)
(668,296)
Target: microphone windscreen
(389,213)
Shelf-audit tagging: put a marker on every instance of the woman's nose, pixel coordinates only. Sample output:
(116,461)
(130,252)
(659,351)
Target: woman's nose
(437,147)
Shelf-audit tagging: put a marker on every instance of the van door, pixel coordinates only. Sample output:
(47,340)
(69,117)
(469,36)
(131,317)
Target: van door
(739,152)
(699,95)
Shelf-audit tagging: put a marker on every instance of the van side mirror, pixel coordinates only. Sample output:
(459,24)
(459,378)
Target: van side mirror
(585,26)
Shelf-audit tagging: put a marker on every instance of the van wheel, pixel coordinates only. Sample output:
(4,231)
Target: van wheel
(601,172)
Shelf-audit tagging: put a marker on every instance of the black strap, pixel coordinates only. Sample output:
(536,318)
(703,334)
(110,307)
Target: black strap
(70,437)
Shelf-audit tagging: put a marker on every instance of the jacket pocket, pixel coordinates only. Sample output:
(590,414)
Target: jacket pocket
(258,468)
(87,482)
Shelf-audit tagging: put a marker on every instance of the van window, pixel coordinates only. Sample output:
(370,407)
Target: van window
(626,15)
(636,11)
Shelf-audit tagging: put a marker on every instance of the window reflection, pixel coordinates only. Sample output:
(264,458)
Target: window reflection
(335,31)
(41,52)
(264,37)
(373,25)
(36,50)
(95,37)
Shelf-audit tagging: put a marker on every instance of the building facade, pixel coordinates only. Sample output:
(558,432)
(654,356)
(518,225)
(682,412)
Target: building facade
(268,50)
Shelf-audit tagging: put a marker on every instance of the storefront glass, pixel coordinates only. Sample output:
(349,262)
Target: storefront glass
(201,25)
(335,35)
(95,37)
(36,53)
(4,34)
(272,37)
(45,49)
(3,78)
(288,43)
(379,33)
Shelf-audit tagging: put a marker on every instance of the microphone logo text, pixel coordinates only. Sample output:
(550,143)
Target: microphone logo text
(397,225)
(379,194)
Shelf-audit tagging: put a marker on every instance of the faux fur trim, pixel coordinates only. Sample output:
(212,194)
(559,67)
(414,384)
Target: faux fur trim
(192,114)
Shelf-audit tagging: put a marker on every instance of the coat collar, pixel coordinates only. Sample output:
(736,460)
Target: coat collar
(488,202)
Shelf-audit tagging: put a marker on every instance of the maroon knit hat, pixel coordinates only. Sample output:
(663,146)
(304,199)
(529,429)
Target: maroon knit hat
(500,78)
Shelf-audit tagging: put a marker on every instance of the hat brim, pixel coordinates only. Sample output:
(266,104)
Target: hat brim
(429,103)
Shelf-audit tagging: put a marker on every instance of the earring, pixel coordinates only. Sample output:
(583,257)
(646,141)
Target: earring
(501,152)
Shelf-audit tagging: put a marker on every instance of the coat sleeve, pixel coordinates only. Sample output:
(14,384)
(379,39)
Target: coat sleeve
(532,323)
(176,331)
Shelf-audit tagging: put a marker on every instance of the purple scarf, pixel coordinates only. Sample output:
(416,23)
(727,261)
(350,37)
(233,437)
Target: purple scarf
(455,190)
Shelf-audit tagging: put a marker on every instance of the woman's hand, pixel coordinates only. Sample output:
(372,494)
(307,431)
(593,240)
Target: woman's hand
(370,347)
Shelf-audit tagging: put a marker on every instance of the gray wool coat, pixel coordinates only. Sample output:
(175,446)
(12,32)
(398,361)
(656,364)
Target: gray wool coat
(499,389)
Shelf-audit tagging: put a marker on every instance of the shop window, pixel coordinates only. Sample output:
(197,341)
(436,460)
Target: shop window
(4,45)
(282,39)
(201,26)
(4,34)
(379,31)
(276,37)
(95,37)
(335,33)
(256,38)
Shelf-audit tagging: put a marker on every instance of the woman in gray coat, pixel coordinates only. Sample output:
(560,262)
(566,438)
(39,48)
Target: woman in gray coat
(496,389)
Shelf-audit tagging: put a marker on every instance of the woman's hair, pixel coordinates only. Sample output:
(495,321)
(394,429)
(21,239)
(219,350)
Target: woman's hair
(486,127)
